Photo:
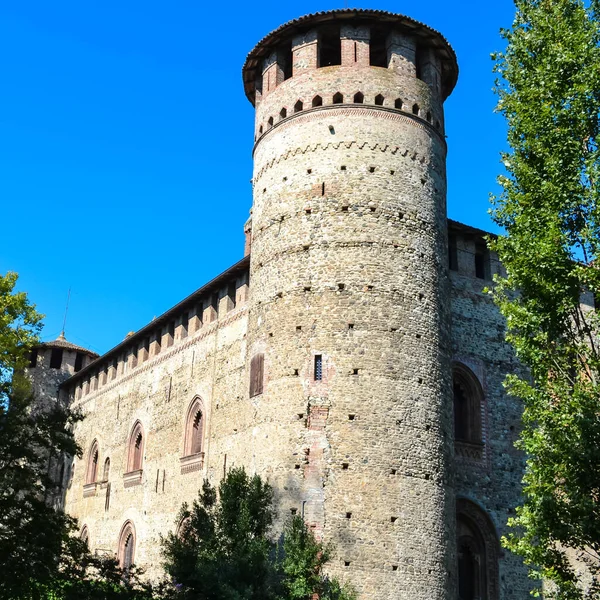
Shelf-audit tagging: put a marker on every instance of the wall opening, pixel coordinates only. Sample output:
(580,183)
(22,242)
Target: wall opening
(283,113)
(330,48)
(33,356)
(482,261)
(379,100)
(452,253)
(318,368)
(398,103)
(415,109)
(317,101)
(377,48)
(287,60)
(56,357)
(359,98)
(298,106)
(338,98)
(257,367)
(79,361)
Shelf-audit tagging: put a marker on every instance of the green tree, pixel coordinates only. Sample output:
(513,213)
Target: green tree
(303,563)
(222,550)
(549,92)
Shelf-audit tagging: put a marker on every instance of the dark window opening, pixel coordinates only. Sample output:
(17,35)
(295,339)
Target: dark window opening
(415,109)
(318,367)
(298,106)
(452,253)
(33,356)
(330,48)
(56,358)
(184,325)
(171,331)
(398,103)
(379,100)
(260,129)
(317,101)
(338,98)
(323,189)
(128,553)
(231,292)
(283,113)
(377,49)
(287,61)
(429,116)
(270,122)
(256,374)
(79,361)
(359,98)
(467,407)
(418,62)
(147,344)
(481,262)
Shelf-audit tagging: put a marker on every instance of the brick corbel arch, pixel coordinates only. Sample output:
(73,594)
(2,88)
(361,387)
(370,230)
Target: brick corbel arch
(477,519)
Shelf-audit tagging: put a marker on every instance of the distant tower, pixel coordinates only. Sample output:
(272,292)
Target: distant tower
(53,362)
(348,333)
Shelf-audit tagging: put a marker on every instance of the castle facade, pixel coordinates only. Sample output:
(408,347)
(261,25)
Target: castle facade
(351,358)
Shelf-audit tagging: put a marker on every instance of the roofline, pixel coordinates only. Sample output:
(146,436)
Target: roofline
(166,316)
(470,230)
(300,24)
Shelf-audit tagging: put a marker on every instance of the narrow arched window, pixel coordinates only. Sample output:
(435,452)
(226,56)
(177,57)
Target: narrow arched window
(415,109)
(477,552)
(338,98)
(270,122)
(379,100)
(126,552)
(106,470)
(398,103)
(468,399)
(317,101)
(283,113)
(194,429)
(92,470)
(84,535)
(359,98)
(136,448)
(298,106)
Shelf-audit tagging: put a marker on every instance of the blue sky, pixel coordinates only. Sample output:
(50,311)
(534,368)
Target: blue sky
(126,138)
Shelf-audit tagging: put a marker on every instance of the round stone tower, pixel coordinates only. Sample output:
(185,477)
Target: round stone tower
(348,335)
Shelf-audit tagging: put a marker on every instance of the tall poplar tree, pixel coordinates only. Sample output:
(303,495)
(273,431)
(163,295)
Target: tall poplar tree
(549,92)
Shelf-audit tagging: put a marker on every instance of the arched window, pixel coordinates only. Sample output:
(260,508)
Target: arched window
(183,528)
(136,448)
(298,106)
(415,109)
(106,471)
(283,113)
(92,470)
(194,428)
(317,101)
(398,103)
(126,551)
(379,100)
(468,399)
(84,535)
(338,98)
(359,98)
(270,122)
(477,553)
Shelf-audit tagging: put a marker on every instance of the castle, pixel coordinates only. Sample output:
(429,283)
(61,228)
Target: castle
(350,358)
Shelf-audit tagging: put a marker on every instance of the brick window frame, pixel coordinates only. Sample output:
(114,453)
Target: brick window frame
(91,474)
(126,548)
(193,437)
(257,374)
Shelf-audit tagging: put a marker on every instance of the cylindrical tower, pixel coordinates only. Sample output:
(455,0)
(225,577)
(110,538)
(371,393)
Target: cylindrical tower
(348,333)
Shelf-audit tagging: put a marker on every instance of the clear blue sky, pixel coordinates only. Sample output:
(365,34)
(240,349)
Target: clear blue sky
(125,145)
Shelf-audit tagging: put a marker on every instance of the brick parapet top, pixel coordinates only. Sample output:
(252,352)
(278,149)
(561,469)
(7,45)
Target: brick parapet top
(425,34)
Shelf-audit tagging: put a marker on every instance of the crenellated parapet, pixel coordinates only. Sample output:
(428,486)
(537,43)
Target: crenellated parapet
(350,57)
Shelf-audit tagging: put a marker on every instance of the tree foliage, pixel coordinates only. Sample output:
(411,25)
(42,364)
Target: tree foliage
(222,549)
(549,92)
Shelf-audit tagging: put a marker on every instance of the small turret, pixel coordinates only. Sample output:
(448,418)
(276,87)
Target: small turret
(53,362)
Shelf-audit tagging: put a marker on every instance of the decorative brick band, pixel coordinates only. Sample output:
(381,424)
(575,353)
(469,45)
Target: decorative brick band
(344,146)
(192,463)
(381,112)
(192,340)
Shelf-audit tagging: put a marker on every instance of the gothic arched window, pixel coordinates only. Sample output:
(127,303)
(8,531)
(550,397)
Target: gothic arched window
(85,535)
(477,553)
(126,551)
(194,428)
(468,400)
(92,470)
(136,448)
(106,470)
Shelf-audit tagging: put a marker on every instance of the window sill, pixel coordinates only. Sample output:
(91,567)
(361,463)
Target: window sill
(191,463)
(89,489)
(472,451)
(133,478)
